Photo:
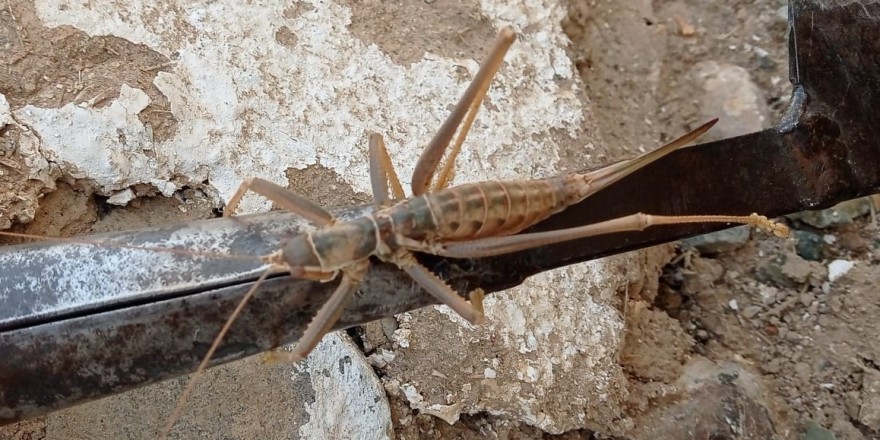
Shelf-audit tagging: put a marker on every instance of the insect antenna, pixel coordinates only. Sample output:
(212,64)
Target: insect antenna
(190,386)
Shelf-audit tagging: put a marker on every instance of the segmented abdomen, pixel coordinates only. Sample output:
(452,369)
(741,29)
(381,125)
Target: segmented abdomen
(483,209)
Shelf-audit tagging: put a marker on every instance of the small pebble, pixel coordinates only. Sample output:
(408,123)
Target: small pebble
(803,370)
(869,413)
(719,241)
(815,431)
(733,304)
(782,14)
(838,268)
(750,312)
(771,367)
(808,245)
(807,298)
(702,335)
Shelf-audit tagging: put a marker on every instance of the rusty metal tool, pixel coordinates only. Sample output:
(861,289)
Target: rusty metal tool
(79,322)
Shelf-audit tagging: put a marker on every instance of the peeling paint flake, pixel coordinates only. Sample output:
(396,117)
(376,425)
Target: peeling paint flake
(103,145)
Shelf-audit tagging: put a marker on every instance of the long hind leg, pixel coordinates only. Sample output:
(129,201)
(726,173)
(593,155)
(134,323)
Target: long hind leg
(466,106)
(487,247)
(444,178)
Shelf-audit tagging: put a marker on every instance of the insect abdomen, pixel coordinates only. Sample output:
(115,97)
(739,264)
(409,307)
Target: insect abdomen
(493,208)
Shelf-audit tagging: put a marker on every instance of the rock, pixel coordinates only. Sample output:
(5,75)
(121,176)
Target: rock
(769,294)
(796,269)
(662,347)
(447,413)
(765,61)
(717,401)
(839,268)
(751,311)
(807,298)
(808,245)
(803,371)
(711,322)
(852,402)
(547,358)
(347,398)
(730,94)
(374,335)
(854,242)
(782,14)
(726,240)
(791,271)
(841,214)
(869,413)
(700,276)
(774,366)
(815,431)
(771,273)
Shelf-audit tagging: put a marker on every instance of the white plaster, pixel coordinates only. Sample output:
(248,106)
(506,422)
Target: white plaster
(307,104)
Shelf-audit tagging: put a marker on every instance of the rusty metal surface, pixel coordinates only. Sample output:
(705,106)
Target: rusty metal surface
(66,343)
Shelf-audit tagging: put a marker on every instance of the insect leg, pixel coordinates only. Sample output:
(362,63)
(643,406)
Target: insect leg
(476,297)
(448,171)
(382,172)
(289,201)
(488,247)
(473,96)
(473,313)
(326,317)
(284,197)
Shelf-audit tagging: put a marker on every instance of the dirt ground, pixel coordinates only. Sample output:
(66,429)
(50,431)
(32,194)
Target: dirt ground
(811,343)
(804,347)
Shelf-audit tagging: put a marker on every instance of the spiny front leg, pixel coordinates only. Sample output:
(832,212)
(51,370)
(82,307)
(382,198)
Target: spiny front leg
(327,316)
(438,288)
